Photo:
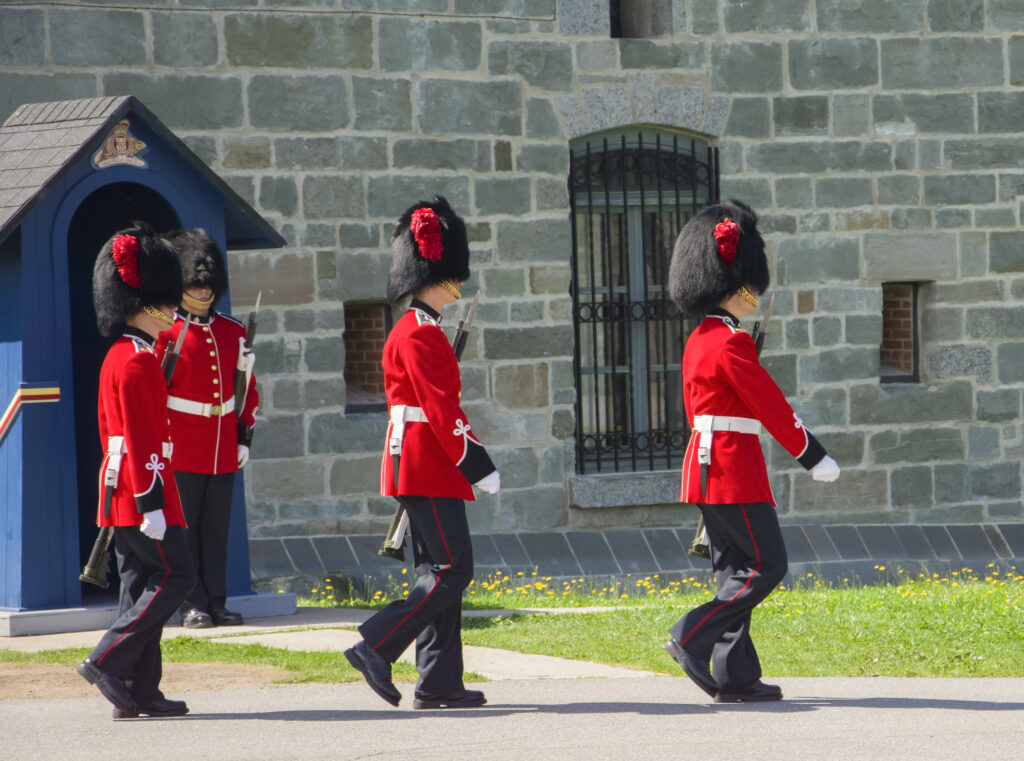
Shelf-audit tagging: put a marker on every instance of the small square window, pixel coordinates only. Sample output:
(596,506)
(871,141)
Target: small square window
(366,329)
(900,345)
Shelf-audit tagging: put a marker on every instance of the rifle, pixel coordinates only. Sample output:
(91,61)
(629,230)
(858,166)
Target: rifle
(246,359)
(95,569)
(393,545)
(701,546)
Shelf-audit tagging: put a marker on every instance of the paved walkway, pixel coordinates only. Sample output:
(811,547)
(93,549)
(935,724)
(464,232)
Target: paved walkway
(539,708)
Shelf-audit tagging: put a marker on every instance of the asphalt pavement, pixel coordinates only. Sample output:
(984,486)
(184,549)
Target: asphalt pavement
(538,708)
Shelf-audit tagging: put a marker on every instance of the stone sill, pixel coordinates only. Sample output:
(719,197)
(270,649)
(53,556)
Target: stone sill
(624,489)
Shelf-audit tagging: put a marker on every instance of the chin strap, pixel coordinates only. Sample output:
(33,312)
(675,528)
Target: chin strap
(450,287)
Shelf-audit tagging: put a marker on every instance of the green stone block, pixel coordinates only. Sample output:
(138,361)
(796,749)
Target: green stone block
(1007,14)
(879,16)
(824,407)
(959,189)
(502,156)
(951,484)
(833,63)
(990,218)
(935,63)
(389,195)
(1010,361)
(827,331)
(332,196)
(1000,405)
(983,443)
(185,102)
(749,66)
(406,45)
(107,37)
(460,107)
(805,260)
(502,196)
(911,487)
(1015,48)
(956,15)
(1011,186)
(22,37)
(843,191)
(541,121)
(335,433)
(851,115)
(279,194)
(995,481)
(299,41)
(185,40)
(899,189)
(999,111)
(874,404)
(748,117)
(802,115)
(1006,251)
(544,65)
(382,104)
(941,113)
(299,103)
(777,16)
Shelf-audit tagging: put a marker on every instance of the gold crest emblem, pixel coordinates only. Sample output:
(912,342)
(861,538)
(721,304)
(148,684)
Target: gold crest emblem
(121,148)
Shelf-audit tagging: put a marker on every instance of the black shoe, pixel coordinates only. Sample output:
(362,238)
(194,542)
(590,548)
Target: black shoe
(197,619)
(460,699)
(111,686)
(375,670)
(222,617)
(698,671)
(160,707)
(758,692)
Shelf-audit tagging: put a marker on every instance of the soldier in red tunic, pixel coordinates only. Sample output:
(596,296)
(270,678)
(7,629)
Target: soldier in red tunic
(137,281)
(719,269)
(212,429)
(431,463)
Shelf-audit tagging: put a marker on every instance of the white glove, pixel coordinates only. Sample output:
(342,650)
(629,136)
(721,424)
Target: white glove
(489,483)
(243,455)
(154,524)
(826,470)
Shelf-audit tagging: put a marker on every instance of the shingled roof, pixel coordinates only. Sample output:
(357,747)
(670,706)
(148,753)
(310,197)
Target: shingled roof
(40,142)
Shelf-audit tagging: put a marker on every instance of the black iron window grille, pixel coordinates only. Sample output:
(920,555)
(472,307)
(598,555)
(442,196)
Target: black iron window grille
(630,196)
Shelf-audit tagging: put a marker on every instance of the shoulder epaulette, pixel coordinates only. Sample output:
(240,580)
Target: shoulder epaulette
(422,318)
(235,320)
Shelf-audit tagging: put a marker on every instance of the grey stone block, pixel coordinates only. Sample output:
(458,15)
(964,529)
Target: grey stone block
(782,368)
(999,405)
(351,276)
(503,282)
(533,240)
(892,257)
(911,487)
(522,385)
(268,559)
(184,102)
(355,475)
(643,54)
(972,155)
(756,192)
(292,478)
(382,104)
(983,443)
(552,159)
(307,152)
(592,553)
(429,45)
(279,194)
(833,63)
(824,407)
(945,218)
(967,189)
(794,192)
(864,329)
(1015,48)
(883,16)
(843,191)
(814,157)
(917,445)
(544,65)
(941,62)
(275,355)
(460,107)
(999,480)
(747,66)
(518,467)
(442,154)
(997,111)
(926,113)
(357,235)
(596,56)
(749,117)
(388,195)
(631,551)
(899,189)
(184,40)
(782,16)
(81,37)
(1007,14)
(298,103)
(485,554)
(22,38)
(972,542)
(851,115)
(1006,251)
(537,509)
(867,489)
(335,433)
(299,41)
(335,553)
(847,542)
(888,405)
(959,360)
(550,553)
(956,15)
(807,260)
(279,436)
(541,121)
(496,196)
(1010,362)
(333,196)
(1005,217)
(365,547)
(522,343)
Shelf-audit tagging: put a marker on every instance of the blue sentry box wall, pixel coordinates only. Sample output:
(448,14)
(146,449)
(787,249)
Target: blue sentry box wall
(63,209)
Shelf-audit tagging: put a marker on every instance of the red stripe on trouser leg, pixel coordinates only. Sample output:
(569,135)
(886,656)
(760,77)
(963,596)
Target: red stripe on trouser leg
(757,556)
(167,573)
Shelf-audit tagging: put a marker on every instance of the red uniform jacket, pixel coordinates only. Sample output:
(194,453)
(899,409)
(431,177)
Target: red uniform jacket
(205,373)
(440,457)
(722,376)
(133,404)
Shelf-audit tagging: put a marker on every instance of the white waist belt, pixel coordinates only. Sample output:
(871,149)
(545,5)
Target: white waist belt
(705,425)
(400,414)
(189,407)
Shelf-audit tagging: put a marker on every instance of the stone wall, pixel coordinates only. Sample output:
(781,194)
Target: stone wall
(880,139)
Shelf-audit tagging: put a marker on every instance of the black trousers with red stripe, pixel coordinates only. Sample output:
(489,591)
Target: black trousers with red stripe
(155,577)
(432,612)
(206,503)
(748,555)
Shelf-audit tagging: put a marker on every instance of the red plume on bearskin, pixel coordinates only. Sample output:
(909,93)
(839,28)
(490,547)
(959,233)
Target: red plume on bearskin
(717,251)
(135,268)
(429,245)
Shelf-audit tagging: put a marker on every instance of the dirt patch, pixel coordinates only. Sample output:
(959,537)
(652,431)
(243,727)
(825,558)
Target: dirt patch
(25,681)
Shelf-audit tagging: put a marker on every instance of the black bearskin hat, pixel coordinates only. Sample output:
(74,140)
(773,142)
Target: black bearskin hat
(202,263)
(429,245)
(134,269)
(710,262)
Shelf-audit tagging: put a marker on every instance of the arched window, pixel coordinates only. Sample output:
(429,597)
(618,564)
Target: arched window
(631,194)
